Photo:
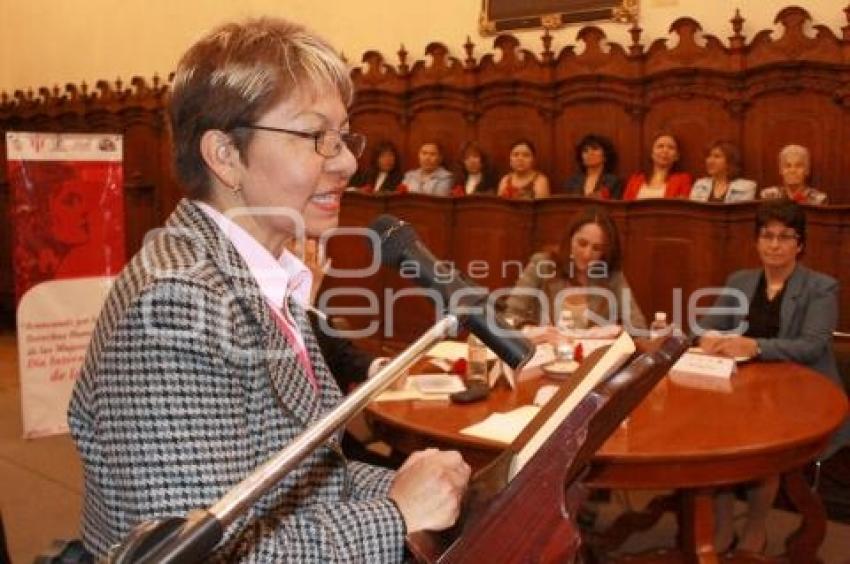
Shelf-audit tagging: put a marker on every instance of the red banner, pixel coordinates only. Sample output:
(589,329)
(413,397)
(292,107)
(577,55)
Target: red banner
(68,208)
(68,217)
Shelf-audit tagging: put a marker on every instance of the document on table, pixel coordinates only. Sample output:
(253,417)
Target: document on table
(503,427)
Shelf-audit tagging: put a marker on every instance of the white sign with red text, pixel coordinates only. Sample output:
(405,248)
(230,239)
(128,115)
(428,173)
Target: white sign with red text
(55,323)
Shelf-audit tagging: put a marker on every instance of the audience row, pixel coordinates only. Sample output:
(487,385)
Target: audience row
(596,159)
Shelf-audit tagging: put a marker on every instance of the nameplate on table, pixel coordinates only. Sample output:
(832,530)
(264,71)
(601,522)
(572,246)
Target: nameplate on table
(704,365)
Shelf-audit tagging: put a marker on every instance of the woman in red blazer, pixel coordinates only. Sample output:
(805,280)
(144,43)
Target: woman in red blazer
(662,179)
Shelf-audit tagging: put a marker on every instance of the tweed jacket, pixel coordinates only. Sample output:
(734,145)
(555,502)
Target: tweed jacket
(188,386)
(809,315)
(526,308)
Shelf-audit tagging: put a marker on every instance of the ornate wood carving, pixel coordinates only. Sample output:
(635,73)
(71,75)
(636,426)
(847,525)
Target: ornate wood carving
(789,86)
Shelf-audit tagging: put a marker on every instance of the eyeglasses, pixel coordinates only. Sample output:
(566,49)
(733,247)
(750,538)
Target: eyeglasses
(785,237)
(328,142)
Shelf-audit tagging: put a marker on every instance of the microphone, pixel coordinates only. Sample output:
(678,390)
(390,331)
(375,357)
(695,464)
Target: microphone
(400,247)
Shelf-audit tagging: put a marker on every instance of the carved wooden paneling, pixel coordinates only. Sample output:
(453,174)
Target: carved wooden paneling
(814,122)
(692,50)
(596,58)
(352,254)
(487,231)
(794,44)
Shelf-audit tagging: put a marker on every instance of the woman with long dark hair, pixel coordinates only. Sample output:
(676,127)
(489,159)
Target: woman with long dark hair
(584,274)
(474,175)
(384,174)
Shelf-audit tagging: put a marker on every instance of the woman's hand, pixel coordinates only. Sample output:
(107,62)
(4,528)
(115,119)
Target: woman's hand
(729,346)
(428,489)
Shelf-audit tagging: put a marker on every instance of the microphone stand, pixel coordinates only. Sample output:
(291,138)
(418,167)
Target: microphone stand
(189,539)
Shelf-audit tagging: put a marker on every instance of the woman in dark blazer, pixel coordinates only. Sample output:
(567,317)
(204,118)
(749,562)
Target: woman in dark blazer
(384,174)
(597,160)
(791,313)
(474,175)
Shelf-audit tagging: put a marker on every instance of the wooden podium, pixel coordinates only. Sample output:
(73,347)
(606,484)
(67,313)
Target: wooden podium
(522,507)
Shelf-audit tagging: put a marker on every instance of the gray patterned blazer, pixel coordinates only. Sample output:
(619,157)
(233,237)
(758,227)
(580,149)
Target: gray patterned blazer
(188,386)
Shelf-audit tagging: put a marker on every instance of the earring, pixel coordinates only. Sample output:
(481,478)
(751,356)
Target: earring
(236,190)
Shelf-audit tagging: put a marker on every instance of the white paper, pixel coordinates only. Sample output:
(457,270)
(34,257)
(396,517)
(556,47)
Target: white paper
(503,427)
(545,394)
(437,383)
(410,393)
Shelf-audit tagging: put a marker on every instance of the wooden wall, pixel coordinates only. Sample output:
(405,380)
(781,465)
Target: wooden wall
(763,92)
(667,244)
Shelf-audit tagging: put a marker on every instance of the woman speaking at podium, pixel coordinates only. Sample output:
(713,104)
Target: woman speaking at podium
(203,363)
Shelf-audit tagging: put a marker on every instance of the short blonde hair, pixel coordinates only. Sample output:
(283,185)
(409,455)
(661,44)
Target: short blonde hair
(798,150)
(236,73)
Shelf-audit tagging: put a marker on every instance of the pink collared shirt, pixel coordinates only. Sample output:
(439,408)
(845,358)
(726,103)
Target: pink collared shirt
(278,278)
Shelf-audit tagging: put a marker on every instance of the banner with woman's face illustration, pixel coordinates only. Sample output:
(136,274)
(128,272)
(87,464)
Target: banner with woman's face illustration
(68,221)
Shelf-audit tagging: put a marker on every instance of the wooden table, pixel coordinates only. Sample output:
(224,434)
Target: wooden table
(773,419)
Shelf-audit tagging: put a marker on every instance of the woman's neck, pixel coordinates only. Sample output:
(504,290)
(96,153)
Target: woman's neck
(719,185)
(659,176)
(580,278)
(594,171)
(777,276)
(523,175)
(274,242)
(795,188)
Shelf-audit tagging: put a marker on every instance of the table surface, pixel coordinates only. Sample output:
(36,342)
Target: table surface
(768,419)
(765,406)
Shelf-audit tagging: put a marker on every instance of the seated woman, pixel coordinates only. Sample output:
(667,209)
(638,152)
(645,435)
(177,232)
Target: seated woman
(524,181)
(475,175)
(794,167)
(430,177)
(724,182)
(384,175)
(792,312)
(585,272)
(662,179)
(597,159)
